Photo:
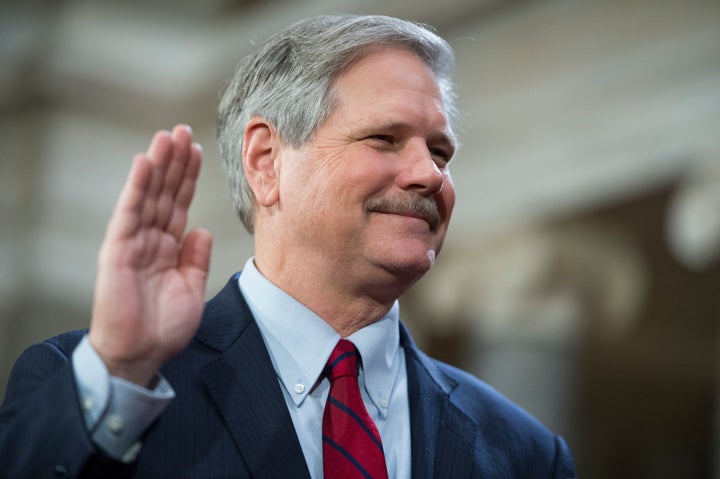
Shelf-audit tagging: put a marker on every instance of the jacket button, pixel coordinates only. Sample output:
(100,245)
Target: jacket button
(61,471)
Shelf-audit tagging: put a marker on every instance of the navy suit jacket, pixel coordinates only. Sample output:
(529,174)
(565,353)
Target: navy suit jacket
(230,419)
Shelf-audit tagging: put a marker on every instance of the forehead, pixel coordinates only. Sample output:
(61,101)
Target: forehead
(391,81)
(380,68)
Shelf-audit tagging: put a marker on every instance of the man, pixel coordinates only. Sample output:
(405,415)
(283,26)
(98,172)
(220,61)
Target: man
(336,137)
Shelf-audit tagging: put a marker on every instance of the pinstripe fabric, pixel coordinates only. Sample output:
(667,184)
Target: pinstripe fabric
(229,419)
(351,442)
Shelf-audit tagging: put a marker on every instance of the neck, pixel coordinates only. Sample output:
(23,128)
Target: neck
(342,299)
(346,291)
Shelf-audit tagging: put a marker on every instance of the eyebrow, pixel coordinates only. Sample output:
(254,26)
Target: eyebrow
(440,136)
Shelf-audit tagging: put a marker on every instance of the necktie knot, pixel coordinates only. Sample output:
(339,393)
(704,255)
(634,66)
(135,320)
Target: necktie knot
(343,361)
(352,447)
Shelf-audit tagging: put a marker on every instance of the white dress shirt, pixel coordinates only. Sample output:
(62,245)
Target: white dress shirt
(299,342)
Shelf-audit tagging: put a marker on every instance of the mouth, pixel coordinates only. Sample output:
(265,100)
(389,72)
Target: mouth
(411,214)
(420,207)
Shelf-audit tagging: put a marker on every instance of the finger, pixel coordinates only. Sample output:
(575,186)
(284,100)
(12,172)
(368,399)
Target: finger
(185,193)
(174,174)
(160,149)
(194,258)
(126,216)
(182,152)
(159,154)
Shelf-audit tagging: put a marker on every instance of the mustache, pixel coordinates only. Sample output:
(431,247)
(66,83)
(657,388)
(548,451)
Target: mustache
(410,205)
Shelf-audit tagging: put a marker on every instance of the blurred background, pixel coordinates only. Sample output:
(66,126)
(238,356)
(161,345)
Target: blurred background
(581,273)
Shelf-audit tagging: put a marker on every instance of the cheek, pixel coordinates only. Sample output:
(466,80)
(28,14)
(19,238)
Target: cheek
(304,184)
(338,181)
(324,201)
(447,196)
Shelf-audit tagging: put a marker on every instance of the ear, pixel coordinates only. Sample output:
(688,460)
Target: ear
(260,161)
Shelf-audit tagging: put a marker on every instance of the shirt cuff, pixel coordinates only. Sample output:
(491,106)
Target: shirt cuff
(116,411)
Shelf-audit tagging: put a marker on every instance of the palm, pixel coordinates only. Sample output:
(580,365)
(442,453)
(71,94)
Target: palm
(150,285)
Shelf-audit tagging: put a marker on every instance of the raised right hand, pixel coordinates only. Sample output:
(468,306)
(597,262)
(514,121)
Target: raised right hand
(150,285)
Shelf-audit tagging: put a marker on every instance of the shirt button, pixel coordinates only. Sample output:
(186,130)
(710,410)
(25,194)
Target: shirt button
(299,388)
(115,424)
(87,403)
(383,403)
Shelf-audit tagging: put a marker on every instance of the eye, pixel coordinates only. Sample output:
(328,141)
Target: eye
(383,142)
(440,155)
(389,139)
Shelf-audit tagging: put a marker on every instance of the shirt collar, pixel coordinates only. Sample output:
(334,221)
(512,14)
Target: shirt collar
(299,341)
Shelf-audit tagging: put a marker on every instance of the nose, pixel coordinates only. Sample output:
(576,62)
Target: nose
(420,172)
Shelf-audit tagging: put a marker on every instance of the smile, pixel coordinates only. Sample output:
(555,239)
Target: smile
(426,211)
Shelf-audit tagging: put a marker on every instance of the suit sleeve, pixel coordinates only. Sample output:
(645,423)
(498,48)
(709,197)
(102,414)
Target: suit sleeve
(564,464)
(42,429)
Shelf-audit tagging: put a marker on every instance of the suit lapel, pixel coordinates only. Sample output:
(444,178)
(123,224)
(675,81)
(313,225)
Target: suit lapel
(244,386)
(442,436)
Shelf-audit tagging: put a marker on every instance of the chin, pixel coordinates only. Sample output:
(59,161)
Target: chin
(406,257)
(410,266)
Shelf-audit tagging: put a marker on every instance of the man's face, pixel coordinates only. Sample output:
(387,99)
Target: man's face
(372,191)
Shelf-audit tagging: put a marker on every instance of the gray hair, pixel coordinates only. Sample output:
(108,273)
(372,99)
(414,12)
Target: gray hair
(287,83)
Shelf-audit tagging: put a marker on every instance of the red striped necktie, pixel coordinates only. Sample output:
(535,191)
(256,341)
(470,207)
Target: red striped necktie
(351,442)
